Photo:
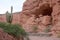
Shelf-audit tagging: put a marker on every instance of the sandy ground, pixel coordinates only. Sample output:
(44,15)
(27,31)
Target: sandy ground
(42,38)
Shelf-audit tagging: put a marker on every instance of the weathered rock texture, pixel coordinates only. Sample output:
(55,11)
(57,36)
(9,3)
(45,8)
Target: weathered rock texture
(5,36)
(40,13)
(56,18)
(36,13)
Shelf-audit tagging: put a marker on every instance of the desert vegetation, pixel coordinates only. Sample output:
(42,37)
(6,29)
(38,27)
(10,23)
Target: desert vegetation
(14,29)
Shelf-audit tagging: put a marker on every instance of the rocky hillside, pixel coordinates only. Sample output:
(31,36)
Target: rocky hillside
(42,14)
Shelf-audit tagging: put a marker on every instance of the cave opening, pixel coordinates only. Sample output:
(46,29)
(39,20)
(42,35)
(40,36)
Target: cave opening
(45,9)
(45,12)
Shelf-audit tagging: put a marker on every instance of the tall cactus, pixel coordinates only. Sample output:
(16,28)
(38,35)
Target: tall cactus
(9,16)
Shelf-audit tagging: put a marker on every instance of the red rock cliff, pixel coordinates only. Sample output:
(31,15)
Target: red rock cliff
(36,13)
(41,13)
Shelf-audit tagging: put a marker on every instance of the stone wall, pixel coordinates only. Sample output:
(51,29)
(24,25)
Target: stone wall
(16,18)
(2,18)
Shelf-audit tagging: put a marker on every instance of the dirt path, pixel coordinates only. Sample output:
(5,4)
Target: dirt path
(42,38)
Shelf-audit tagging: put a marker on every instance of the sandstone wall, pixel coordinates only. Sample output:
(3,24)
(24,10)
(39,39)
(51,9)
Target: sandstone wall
(41,13)
(2,18)
(16,18)
(36,13)
(56,18)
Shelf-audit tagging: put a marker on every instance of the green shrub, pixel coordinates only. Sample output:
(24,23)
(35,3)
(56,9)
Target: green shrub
(2,25)
(9,16)
(13,29)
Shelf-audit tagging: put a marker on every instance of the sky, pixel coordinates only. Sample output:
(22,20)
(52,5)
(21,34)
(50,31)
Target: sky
(5,5)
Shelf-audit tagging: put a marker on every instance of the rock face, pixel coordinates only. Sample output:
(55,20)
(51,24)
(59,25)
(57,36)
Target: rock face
(5,36)
(35,13)
(40,13)
(56,18)
(37,7)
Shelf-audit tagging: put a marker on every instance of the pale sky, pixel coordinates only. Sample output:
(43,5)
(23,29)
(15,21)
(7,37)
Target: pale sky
(5,5)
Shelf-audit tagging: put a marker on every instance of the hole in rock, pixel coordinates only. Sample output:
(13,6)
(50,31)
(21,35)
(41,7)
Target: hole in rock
(47,12)
(44,10)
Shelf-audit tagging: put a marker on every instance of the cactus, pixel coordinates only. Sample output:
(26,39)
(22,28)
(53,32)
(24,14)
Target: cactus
(9,16)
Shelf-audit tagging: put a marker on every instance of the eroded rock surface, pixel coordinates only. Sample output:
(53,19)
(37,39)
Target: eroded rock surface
(56,18)
(35,12)
(40,13)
